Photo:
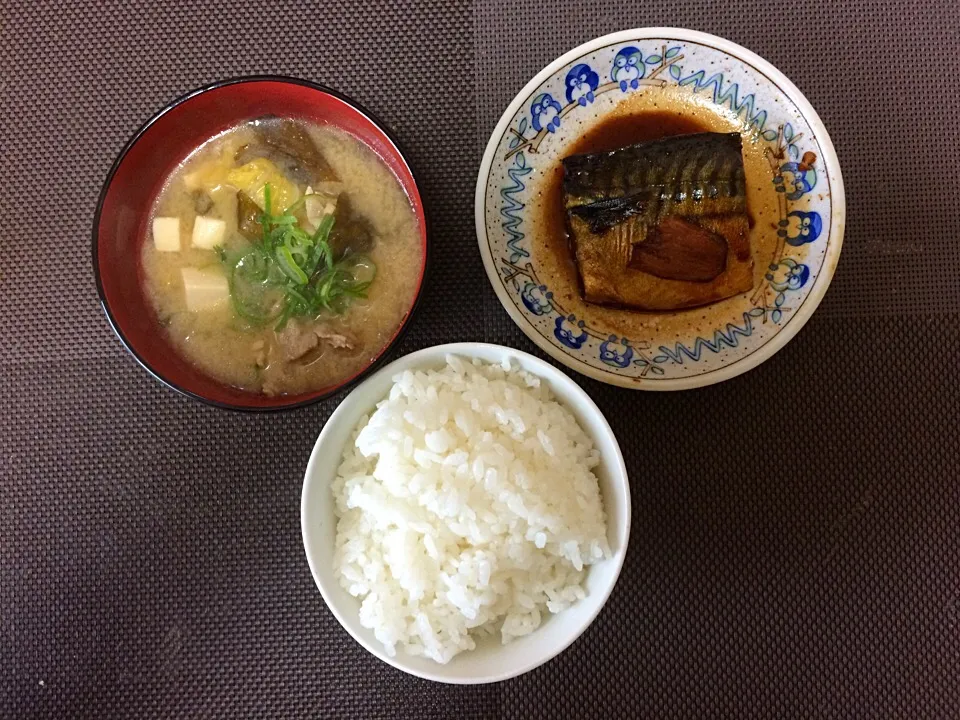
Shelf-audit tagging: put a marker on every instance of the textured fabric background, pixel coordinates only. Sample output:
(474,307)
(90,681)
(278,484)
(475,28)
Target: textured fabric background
(796,536)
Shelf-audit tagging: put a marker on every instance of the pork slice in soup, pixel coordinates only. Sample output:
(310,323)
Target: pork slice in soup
(284,256)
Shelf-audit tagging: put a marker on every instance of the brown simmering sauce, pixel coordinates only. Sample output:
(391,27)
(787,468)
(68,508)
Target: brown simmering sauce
(620,130)
(637,119)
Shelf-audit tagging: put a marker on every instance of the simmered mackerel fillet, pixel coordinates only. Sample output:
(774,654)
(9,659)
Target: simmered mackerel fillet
(660,225)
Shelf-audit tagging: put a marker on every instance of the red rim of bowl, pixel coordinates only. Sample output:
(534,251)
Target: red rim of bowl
(317,395)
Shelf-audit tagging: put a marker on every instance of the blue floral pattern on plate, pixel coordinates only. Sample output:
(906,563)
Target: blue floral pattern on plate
(591,85)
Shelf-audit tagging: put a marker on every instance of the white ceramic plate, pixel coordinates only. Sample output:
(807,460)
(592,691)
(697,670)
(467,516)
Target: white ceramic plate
(490,661)
(794,184)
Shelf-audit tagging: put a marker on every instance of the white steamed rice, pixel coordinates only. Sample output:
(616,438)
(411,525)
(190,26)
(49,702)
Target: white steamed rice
(467,504)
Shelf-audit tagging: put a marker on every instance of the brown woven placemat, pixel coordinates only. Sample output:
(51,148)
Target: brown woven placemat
(796,537)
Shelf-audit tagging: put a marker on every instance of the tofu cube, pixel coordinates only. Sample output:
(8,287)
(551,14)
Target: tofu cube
(208,232)
(204,289)
(166,234)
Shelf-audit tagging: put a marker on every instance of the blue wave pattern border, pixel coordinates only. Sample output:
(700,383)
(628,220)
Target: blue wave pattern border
(511,208)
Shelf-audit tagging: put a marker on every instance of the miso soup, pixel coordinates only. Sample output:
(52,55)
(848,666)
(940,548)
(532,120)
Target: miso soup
(282,256)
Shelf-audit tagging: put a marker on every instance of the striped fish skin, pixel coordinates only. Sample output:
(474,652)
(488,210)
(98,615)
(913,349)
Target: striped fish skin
(687,175)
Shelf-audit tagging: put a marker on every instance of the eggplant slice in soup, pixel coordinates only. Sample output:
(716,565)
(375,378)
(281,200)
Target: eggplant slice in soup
(288,145)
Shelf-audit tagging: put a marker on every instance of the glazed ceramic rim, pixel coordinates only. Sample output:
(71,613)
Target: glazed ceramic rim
(387,347)
(837,213)
(545,371)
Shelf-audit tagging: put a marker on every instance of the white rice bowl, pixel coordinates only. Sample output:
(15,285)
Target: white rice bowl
(467,506)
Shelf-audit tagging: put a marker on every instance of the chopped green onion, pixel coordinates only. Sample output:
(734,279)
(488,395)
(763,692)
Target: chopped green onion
(247,304)
(297,204)
(361,268)
(290,267)
(298,297)
(291,272)
(284,316)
